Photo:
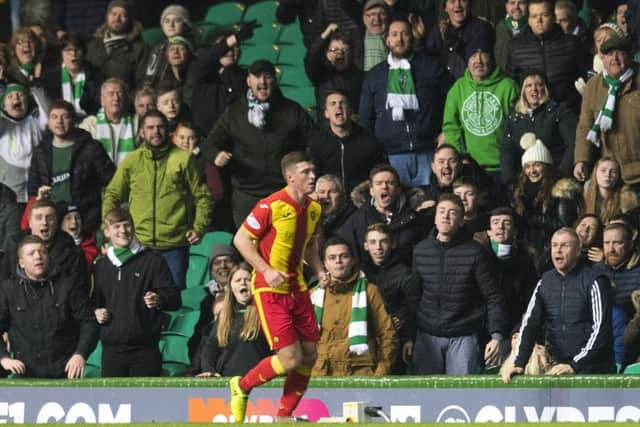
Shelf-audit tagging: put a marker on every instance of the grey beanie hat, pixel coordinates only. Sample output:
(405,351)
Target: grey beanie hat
(179,11)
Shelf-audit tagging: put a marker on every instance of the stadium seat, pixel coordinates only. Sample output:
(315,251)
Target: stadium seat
(633,369)
(251,53)
(292,75)
(173,369)
(152,36)
(226,13)
(93,366)
(174,348)
(291,54)
(290,34)
(191,297)
(183,321)
(304,96)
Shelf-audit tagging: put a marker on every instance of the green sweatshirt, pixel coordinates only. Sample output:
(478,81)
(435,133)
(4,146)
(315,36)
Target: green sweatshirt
(475,113)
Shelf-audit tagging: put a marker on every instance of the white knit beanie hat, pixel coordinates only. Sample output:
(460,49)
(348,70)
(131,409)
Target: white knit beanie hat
(179,11)
(534,150)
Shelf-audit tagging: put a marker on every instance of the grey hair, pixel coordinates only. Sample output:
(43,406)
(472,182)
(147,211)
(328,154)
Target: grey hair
(331,178)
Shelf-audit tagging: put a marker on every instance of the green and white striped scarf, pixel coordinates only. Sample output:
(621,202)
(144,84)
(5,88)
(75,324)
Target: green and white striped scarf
(358,334)
(401,91)
(72,89)
(124,142)
(604,120)
(119,256)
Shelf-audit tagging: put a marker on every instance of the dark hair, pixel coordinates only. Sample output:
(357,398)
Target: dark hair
(293,158)
(341,36)
(335,241)
(502,210)
(628,219)
(450,197)
(445,146)
(549,3)
(72,39)
(335,91)
(61,104)
(157,114)
(383,167)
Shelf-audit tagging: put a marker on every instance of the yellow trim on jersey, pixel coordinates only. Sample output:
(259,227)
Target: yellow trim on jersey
(263,321)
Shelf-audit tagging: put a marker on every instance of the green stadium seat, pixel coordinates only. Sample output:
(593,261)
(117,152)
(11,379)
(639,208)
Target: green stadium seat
(226,13)
(93,366)
(208,240)
(291,54)
(183,322)
(251,53)
(152,36)
(191,297)
(198,272)
(174,348)
(264,12)
(304,96)
(290,34)
(633,369)
(292,75)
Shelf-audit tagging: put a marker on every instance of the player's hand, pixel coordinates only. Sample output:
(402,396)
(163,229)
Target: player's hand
(75,367)
(561,369)
(14,366)
(102,315)
(274,277)
(151,300)
(222,158)
(507,374)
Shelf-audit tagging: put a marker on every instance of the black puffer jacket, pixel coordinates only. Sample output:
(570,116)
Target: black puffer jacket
(90,101)
(459,288)
(400,290)
(325,77)
(48,321)
(452,45)
(624,280)
(553,123)
(349,158)
(121,291)
(558,55)
(575,312)
(213,90)
(10,213)
(91,170)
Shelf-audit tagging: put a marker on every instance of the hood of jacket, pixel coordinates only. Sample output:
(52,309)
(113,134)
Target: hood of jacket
(567,188)
(134,32)
(491,80)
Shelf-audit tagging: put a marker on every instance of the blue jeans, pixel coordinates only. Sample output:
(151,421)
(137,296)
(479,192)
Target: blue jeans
(178,261)
(413,168)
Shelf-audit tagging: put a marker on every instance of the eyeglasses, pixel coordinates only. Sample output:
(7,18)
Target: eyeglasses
(342,50)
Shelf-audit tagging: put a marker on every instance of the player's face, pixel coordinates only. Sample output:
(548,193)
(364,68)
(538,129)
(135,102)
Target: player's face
(302,177)
(338,261)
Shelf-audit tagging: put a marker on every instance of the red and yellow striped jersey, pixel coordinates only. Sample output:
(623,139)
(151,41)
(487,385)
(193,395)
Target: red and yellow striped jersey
(283,229)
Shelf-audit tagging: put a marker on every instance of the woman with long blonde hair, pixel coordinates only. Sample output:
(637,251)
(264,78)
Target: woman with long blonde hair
(606,194)
(235,343)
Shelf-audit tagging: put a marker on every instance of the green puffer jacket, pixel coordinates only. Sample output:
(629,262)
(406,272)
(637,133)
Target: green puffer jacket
(166,195)
(475,114)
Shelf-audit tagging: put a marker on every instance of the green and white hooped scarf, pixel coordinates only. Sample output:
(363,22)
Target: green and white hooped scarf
(401,91)
(119,256)
(124,142)
(358,333)
(72,89)
(515,25)
(604,120)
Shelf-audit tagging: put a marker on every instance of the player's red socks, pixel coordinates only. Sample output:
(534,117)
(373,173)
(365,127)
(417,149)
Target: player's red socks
(267,369)
(294,387)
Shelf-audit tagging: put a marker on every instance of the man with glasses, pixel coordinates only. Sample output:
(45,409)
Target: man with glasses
(253,134)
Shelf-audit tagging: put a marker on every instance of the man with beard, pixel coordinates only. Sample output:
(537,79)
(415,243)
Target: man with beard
(47,315)
(336,206)
(461,299)
(389,205)
(571,306)
(20,131)
(446,167)
(117,48)
(400,288)
(62,251)
(253,134)
(169,203)
(623,271)
(344,148)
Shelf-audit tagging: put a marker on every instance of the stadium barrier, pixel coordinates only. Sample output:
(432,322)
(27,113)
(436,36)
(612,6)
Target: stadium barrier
(408,399)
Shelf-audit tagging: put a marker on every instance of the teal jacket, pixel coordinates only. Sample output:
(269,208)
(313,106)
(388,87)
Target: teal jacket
(165,193)
(475,114)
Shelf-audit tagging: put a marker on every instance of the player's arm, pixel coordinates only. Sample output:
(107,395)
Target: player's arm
(246,245)
(312,257)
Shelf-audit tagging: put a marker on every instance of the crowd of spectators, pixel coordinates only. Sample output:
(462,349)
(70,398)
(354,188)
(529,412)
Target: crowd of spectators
(477,165)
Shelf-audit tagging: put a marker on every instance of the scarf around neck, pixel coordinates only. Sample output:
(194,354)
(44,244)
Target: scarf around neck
(604,120)
(515,25)
(119,256)
(257,113)
(358,333)
(117,146)
(72,89)
(401,91)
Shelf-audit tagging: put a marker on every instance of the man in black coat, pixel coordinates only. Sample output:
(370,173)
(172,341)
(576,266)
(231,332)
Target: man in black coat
(399,287)
(63,254)
(461,298)
(571,305)
(343,148)
(336,205)
(47,315)
(545,47)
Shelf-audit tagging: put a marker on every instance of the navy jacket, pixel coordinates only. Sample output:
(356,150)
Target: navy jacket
(418,131)
(577,311)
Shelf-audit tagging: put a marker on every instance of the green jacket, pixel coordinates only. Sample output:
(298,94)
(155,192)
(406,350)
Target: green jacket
(475,113)
(166,195)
